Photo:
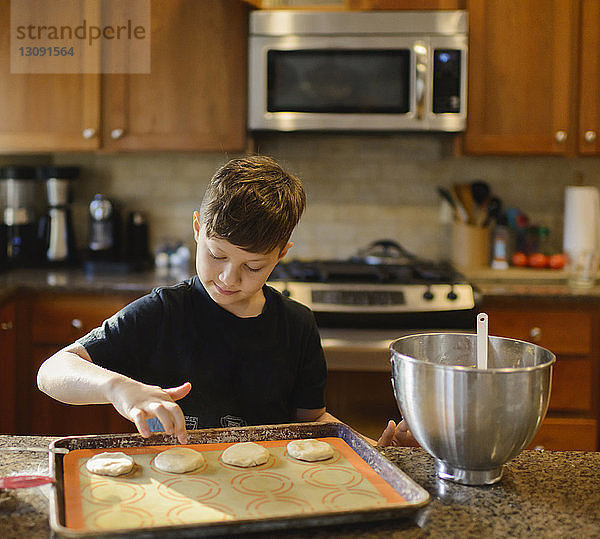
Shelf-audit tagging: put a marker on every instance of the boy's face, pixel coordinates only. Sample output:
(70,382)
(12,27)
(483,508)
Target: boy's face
(232,276)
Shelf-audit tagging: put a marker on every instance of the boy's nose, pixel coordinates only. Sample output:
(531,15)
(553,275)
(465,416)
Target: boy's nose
(230,276)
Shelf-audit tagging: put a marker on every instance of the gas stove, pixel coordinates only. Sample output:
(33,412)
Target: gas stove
(364,293)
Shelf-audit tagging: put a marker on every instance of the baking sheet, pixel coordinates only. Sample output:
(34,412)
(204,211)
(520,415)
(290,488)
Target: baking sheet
(357,483)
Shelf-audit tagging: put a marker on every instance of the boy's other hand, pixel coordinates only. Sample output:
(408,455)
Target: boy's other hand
(137,402)
(396,435)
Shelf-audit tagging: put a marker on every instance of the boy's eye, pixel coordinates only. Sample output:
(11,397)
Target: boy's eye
(215,256)
(253,269)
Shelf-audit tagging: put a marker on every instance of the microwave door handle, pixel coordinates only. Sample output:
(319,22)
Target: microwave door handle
(420,50)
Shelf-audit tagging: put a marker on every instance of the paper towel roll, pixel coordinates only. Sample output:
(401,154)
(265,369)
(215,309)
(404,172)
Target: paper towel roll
(582,219)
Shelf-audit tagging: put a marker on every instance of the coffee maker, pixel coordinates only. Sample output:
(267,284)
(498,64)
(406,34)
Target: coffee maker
(56,227)
(104,231)
(18,224)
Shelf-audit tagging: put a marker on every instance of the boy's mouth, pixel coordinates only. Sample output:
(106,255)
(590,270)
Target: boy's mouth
(224,292)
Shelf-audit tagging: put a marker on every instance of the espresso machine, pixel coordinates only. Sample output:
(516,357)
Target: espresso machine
(19,244)
(104,231)
(56,227)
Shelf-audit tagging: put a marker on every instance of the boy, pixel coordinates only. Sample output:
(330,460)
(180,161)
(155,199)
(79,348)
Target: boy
(230,349)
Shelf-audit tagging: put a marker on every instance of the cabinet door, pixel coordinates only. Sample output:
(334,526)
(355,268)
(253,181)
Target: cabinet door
(569,331)
(362,399)
(43,112)
(521,60)
(195,96)
(7,364)
(589,110)
(567,434)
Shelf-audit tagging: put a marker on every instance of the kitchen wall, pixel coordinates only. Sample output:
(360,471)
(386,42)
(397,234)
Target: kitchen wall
(360,187)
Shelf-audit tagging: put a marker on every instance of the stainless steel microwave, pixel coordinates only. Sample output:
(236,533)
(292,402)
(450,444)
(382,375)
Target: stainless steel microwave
(360,71)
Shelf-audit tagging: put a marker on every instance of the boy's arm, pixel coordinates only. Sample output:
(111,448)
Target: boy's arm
(395,435)
(71,377)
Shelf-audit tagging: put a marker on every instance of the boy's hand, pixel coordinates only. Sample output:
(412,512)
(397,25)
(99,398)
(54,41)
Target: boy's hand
(396,435)
(137,402)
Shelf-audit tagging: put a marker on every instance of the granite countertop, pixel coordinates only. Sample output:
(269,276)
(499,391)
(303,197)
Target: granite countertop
(77,280)
(499,283)
(542,494)
(528,282)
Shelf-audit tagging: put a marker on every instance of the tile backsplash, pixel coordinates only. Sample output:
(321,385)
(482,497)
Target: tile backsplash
(360,188)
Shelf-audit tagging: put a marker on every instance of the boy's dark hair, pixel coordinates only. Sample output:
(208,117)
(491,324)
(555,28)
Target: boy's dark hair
(253,203)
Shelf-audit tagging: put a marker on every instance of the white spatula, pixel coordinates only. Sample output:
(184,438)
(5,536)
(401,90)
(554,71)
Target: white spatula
(482,341)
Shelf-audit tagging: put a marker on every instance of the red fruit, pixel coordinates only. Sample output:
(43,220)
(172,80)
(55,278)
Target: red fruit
(556,261)
(519,259)
(537,260)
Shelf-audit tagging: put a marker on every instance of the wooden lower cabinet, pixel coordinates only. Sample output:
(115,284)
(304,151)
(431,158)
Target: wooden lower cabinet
(567,434)
(363,400)
(8,361)
(57,320)
(359,390)
(569,328)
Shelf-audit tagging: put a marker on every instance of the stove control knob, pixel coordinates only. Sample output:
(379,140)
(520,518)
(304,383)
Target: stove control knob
(452,295)
(285,292)
(428,295)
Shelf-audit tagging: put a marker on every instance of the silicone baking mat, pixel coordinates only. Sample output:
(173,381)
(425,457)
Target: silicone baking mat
(217,492)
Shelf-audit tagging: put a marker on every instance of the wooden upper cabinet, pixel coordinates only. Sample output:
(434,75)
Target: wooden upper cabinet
(42,112)
(589,110)
(193,99)
(522,62)
(195,96)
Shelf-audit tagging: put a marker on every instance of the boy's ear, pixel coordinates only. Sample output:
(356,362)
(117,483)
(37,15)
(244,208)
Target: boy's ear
(285,249)
(196,225)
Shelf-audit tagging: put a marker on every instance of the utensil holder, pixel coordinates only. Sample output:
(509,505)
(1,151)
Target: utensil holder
(470,245)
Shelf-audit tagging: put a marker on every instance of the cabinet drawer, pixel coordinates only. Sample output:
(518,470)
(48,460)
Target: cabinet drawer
(567,434)
(572,385)
(61,319)
(564,332)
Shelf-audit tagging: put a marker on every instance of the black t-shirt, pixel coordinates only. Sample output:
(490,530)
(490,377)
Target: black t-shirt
(243,370)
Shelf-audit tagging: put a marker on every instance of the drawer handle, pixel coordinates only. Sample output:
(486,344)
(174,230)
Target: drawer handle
(76,323)
(5,326)
(536,334)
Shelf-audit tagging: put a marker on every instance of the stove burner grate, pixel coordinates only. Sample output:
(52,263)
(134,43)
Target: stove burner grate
(334,271)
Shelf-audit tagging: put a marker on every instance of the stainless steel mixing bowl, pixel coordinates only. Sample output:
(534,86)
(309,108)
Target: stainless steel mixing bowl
(471,421)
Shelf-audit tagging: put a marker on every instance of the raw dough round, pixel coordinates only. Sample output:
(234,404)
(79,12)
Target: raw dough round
(310,450)
(245,454)
(110,463)
(178,460)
